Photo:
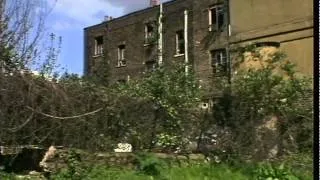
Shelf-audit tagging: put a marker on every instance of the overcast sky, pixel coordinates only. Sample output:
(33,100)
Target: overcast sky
(69,17)
(130,5)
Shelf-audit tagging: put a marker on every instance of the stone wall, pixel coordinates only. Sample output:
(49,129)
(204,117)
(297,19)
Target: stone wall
(24,159)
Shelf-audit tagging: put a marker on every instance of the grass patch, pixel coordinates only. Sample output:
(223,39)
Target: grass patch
(297,167)
(192,172)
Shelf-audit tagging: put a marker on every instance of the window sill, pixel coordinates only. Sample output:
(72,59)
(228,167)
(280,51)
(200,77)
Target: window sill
(146,44)
(97,55)
(149,43)
(150,61)
(121,66)
(178,55)
(214,29)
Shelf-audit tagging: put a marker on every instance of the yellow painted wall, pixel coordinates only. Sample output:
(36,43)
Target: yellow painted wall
(298,46)
(300,52)
(289,22)
(249,15)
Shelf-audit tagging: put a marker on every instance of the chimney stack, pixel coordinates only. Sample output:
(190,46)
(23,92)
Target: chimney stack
(154,2)
(106,18)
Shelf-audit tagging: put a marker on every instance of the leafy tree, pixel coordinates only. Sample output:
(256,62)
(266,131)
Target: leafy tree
(172,92)
(271,87)
(22,28)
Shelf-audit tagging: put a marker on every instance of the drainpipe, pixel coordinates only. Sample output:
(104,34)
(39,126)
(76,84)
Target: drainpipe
(186,53)
(228,40)
(160,40)
(2,14)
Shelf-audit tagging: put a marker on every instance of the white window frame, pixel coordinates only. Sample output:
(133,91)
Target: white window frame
(178,42)
(219,58)
(219,8)
(121,55)
(98,48)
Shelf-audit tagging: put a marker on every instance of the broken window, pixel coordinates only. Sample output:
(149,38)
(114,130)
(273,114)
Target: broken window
(121,81)
(121,56)
(179,42)
(98,46)
(149,33)
(151,66)
(216,18)
(219,61)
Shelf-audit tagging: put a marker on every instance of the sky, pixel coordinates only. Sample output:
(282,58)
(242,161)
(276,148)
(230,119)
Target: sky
(68,18)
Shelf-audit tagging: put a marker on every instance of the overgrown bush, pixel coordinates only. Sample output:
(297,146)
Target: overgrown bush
(174,95)
(163,108)
(76,112)
(75,168)
(264,101)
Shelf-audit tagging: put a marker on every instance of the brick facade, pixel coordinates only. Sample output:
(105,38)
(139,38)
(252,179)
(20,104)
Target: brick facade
(245,22)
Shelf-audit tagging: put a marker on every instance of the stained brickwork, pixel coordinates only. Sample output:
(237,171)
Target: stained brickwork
(242,23)
(129,30)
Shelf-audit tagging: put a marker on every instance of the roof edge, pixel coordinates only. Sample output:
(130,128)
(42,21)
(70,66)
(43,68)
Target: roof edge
(132,13)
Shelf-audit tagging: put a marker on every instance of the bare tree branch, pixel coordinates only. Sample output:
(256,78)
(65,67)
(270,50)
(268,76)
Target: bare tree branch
(18,128)
(68,117)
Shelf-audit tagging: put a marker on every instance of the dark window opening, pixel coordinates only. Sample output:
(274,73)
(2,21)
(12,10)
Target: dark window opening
(149,30)
(121,81)
(216,18)
(150,35)
(151,66)
(98,49)
(213,16)
(180,42)
(219,61)
(121,56)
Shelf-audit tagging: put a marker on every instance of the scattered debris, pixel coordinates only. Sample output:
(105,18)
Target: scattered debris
(123,147)
(48,156)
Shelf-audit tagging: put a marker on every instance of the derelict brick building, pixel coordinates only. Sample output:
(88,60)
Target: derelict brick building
(199,33)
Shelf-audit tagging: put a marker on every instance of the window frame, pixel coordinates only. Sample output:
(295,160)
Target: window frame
(148,30)
(219,61)
(98,46)
(180,49)
(121,56)
(218,8)
(150,37)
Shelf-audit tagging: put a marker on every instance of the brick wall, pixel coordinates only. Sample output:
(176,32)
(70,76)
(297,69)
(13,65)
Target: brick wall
(129,30)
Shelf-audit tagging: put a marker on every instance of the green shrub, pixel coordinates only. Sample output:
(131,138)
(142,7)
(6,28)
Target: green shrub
(301,164)
(6,176)
(149,164)
(271,172)
(254,95)
(75,168)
